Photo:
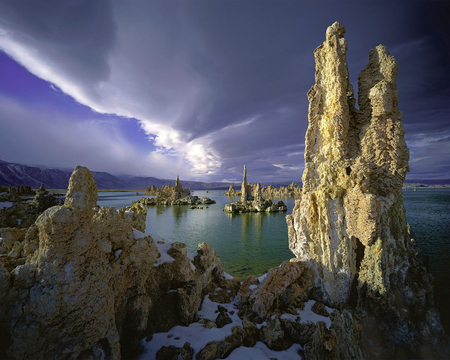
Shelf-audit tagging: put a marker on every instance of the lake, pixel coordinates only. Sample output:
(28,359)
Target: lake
(252,243)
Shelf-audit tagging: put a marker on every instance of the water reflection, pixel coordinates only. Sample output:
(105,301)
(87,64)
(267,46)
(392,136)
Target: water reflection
(178,211)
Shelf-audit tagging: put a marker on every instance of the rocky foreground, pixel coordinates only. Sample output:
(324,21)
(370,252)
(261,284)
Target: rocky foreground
(84,282)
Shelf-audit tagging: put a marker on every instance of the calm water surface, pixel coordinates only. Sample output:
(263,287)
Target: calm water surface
(252,243)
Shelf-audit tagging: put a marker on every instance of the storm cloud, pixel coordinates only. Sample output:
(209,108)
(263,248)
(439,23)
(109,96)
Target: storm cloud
(209,85)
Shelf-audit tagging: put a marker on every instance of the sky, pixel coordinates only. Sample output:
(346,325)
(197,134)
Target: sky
(200,88)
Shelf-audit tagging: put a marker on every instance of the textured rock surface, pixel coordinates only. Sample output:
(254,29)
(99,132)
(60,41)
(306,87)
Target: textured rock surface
(252,200)
(350,225)
(168,193)
(23,213)
(82,283)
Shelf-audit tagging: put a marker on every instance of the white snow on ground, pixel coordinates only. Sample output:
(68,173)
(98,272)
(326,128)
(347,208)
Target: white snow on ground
(259,326)
(306,315)
(117,253)
(195,333)
(19,221)
(162,245)
(262,277)
(227,276)
(139,234)
(5,204)
(261,351)
(198,336)
(163,248)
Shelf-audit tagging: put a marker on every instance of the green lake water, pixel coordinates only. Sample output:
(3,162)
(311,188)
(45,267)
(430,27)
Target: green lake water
(252,243)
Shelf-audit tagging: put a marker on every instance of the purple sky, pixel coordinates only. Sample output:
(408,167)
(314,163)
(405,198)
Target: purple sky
(200,88)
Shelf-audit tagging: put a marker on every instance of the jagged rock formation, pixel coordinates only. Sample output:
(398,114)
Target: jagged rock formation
(258,204)
(245,189)
(17,190)
(350,225)
(270,192)
(23,213)
(252,201)
(82,283)
(231,191)
(168,193)
(172,195)
(151,190)
(187,200)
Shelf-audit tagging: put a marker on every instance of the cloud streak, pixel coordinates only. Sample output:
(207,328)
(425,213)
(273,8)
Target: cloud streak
(211,85)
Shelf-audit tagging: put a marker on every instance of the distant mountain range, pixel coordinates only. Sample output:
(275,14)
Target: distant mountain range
(19,174)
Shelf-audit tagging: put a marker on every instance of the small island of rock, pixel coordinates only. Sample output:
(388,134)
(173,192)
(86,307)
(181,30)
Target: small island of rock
(172,195)
(252,201)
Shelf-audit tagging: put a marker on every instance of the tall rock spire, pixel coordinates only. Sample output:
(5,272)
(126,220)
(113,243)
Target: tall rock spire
(244,187)
(350,225)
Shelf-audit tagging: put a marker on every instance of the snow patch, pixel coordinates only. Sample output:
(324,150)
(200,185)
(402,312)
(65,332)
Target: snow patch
(307,315)
(163,248)
(162,245)
(117,253)
(5,204)
(262,277)
(261,352)
(259,326)
(139,234)
(227,276)
(195,333)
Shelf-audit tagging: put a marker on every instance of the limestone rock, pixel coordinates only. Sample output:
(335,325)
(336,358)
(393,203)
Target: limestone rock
(173,200)
(85,283)
(257,303)
(23,213)
(137,214)
(252,201)
(223,318)
(12,241)
(82,192)
(221,349)
(323,345)
(245,189)
(350,227)
(168,193)
(319,309)
(273,335)
(251,333)
(175,353)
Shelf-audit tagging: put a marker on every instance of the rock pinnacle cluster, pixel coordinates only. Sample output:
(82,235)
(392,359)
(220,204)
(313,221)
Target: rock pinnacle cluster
(350,225)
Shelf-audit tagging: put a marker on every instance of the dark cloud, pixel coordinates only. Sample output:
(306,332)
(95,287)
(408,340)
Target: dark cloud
(219,84)
(78,34)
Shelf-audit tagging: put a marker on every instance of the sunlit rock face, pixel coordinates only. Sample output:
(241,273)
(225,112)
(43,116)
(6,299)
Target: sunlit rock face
(355,165)
(350,225)
(84,282)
